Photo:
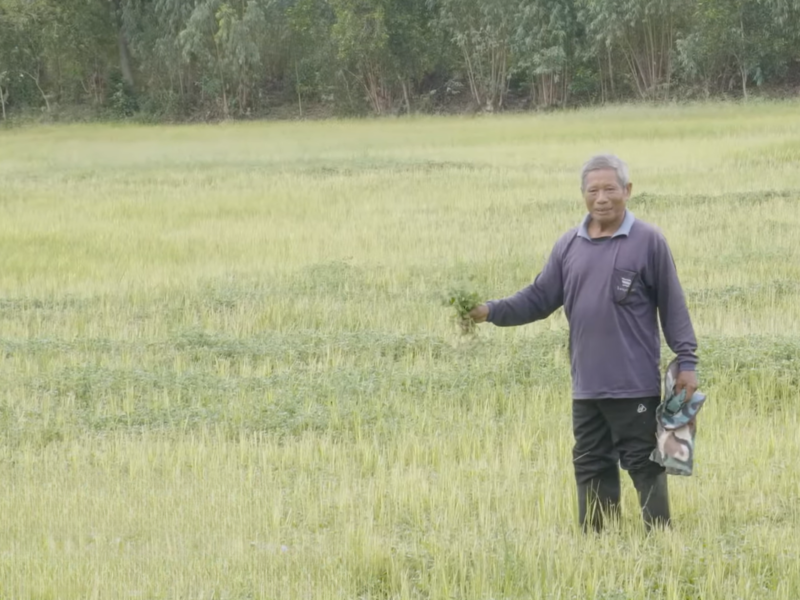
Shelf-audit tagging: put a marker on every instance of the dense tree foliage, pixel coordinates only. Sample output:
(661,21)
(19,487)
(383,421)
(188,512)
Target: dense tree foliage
(176,59)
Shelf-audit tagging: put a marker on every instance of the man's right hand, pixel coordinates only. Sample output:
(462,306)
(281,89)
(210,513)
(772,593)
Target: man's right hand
(479,314)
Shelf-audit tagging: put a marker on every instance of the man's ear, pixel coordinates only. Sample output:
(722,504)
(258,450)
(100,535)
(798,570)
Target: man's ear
(628,189)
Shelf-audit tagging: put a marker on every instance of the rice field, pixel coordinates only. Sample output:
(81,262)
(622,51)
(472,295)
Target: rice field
(227,371)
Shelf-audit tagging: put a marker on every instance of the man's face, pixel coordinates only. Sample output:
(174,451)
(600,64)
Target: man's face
(605,197)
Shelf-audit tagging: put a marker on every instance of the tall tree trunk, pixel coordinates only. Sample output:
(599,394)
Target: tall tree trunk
(372,85)
(602,79)
(3,101)
(39,87)
(297,87)
(124,51)
(405,94)
(744,80)
(96,83)
(222,81)
(471,76)
(742,62)
(611,73)
(125,59)
(668,46)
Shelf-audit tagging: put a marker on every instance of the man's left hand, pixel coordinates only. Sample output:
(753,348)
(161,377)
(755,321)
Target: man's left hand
(687,380)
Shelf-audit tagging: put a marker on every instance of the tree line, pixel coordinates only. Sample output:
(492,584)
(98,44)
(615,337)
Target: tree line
(210,59)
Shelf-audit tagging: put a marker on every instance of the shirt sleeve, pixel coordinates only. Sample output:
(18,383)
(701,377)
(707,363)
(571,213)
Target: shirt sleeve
(535,302)
(672,310)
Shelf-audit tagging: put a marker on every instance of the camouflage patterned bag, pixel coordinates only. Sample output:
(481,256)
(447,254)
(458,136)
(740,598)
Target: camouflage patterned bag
(676,426)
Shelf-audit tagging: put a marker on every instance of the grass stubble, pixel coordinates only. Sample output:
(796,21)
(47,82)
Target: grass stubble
(227,371)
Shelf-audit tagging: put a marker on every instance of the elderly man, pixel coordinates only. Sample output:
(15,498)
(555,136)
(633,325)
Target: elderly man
(612,274)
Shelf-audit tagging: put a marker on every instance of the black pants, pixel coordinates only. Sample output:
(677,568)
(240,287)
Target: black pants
(616,432)
(612,432)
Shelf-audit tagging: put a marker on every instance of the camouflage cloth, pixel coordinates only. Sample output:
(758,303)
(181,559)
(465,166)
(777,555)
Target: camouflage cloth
(676,425)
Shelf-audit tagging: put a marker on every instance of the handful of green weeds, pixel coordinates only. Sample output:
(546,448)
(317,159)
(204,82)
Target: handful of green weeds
(463,301)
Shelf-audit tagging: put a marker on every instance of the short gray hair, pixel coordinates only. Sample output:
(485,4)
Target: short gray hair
(605,161)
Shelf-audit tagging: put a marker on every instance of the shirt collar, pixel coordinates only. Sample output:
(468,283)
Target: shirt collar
(624,229)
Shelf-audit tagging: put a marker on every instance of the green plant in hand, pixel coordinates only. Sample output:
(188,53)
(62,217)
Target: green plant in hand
(464,301)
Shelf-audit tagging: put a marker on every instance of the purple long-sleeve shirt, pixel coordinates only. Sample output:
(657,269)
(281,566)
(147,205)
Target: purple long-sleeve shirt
(611,290)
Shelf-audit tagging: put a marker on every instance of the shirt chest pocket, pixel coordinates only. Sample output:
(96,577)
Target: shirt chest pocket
(625,286)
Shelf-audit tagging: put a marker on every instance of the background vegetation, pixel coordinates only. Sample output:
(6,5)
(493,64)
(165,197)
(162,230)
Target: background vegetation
(214,59)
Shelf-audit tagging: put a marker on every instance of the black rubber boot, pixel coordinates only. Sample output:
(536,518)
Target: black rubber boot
(598,499)
(654,500)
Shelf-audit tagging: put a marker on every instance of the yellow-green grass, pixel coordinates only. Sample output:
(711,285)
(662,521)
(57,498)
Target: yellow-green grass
(227,371)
